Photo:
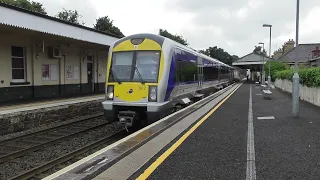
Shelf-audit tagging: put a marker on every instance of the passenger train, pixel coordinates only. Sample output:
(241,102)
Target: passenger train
(149,76)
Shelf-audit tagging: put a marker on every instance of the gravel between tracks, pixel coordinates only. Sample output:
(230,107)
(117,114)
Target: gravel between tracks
(40,128)
(13,167)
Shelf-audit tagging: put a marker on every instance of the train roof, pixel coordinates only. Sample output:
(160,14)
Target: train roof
(160,40)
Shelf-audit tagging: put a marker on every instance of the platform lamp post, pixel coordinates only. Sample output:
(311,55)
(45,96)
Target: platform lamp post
(295,80)
(262,71)
(269,77)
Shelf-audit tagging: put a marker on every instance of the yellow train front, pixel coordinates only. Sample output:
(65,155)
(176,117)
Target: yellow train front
(133,81)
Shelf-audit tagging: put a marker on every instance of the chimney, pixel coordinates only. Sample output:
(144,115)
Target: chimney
(315,52)
(288,45)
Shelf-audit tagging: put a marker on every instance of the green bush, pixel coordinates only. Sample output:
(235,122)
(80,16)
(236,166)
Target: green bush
(308,76)
(275,66)
(285,74)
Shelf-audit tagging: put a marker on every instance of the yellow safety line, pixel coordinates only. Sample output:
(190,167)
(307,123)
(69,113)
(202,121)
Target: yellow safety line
(155,164)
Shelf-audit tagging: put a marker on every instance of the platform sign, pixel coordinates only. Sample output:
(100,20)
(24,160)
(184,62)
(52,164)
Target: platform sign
(69,72)
(45,72)
(49,72)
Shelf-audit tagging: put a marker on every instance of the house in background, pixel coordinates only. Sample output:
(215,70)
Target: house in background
(305,54)
(315,60)
(284,49)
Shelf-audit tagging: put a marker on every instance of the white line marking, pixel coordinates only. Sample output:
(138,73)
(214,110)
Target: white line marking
(251,166)
(103,161)
(266,117)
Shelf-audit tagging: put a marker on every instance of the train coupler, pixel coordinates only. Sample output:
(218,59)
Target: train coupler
(126,118)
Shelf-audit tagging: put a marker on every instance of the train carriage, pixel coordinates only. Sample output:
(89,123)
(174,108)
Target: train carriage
(149,76)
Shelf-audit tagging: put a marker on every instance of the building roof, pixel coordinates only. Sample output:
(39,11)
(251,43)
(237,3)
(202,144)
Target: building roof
(304,53)
(25,19)
(251,58)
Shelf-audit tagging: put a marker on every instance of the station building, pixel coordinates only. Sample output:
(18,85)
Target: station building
(253,63)
(45,57)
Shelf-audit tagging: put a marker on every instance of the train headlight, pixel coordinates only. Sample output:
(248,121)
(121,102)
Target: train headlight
(110,91)
(152,93)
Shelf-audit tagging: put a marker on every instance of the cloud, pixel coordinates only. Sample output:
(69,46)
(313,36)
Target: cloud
(240,22)
(234,25)
(86,9)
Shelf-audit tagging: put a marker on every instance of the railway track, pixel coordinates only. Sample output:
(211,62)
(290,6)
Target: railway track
(52,128)
(53,146)
(39,145)
(20,146)
(40,171)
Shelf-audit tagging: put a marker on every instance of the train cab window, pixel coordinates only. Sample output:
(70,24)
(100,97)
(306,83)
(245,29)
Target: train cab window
(147,63)
(121,66)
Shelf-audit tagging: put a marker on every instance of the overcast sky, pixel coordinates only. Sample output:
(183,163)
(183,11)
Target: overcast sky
(234,25)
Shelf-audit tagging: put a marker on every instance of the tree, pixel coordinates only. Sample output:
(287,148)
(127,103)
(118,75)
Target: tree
(105,24)
(258,50)
(176,37)
(220,54)
(70,16)
(275,66)
(235,57)
(27,4)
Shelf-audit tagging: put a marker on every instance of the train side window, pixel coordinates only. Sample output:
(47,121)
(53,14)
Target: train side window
(177,73)
(182,71)
(206,70)
(215,74)
(189,71)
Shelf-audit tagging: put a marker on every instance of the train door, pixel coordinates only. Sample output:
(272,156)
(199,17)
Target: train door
(219,72)
(200,73)
(90,73)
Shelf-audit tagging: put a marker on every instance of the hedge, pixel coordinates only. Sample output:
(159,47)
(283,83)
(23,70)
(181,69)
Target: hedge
(275,66)
(308,76)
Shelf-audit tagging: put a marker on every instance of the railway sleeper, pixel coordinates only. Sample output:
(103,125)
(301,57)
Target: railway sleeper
(33,141)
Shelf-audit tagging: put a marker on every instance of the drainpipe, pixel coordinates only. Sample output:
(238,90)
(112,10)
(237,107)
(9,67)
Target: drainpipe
(60,91)
(97,89)
(64,74)
(32,69)
(80,69)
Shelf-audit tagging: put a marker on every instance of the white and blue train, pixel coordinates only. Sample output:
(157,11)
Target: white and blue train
(149,76)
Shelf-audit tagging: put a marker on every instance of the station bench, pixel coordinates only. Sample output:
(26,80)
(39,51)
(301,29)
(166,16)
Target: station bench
(267,93)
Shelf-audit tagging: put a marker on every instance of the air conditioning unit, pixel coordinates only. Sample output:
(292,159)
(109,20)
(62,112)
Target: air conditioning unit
(54,52)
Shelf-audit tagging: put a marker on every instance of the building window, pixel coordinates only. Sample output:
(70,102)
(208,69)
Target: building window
(18,64)
(89,58)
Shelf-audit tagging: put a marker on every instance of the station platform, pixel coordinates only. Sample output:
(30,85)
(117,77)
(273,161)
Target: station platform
(46,104)
(238,134)
(25,117)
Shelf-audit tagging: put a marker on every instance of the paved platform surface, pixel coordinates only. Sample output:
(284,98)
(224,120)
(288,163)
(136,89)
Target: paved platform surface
(217,149)
(47,104)
(284,147)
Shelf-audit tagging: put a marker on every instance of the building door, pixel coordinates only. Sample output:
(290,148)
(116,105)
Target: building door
(200,73)
(90,73)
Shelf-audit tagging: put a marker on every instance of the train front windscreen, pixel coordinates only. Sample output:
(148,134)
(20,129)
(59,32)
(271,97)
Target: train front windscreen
(135,66)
